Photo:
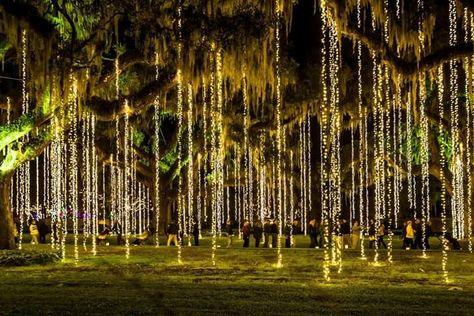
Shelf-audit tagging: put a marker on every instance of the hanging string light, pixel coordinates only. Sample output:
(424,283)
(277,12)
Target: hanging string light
(156,143)
(291,210)
(377,148)
(220,156)
(361,143)
(179,80)
(73,164)
(425,175)
(457,201)
(206,154)
(442,162)
(308,164)
(388,149)
(126,179)
(302,177)
(352,192)
(247,180)
(279,127)
(190,173)
(325,196)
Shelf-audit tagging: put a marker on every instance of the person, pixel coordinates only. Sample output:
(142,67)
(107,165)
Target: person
(274,231)
(418,243)
(428,234)
(288,234)
(346,233)
(117,229)
(380,234)
(356,229)
(312,233)
(172,232)
(230,233)
(267,230)
(409,233)
(43,231)
(257,232)
(34,232)
(196,233)
(103,235)
(141,238)
(246,233)
(371,233)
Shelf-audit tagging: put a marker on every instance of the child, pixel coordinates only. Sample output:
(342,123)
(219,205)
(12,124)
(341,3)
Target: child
(34,232)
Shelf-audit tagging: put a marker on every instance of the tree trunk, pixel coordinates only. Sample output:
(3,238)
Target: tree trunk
(7,225)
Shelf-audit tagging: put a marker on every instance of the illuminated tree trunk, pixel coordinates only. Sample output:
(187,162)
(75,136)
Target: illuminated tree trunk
(7,225)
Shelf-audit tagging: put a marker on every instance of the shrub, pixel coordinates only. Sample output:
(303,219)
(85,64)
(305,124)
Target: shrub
(9,258)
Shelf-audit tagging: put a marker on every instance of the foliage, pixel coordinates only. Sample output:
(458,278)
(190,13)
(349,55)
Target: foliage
(26,257)
(168,160)
(445,144)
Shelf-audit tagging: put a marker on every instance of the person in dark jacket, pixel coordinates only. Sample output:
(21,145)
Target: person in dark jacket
(257,232)
(230,233)
(288,234)
(117,229)
(346,233)
(172,232)
(274,232)
(372,231)
(418,234)
(428,234)
(267,230)
(196,233)
(312,232)
(246,233)
(43,231)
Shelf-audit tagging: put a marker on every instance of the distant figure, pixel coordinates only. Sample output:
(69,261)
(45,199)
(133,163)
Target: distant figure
(141,239)
(274,231)
(117,229)
(34,232)
(418,243)
(43,231)
(409,233)
(356,229)
(313,234)
(172,232)
(196,233)
(257,232)
(103,235)
(230,233)
(428,234)
(372,232)
(267,230)
(346,233)
(380,235)
(246,233)
(288,234)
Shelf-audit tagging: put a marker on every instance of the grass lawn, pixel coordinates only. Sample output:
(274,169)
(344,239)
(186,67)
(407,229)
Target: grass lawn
(244,281)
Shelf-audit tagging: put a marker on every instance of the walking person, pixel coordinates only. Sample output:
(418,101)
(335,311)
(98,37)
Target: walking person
(380,235)
(267,230)
(372,232)
(43,231)
(257,232)
(34,232)
(418,242)
(346,233)
(274,232)
(409,233)
(117,229)
(172,232)
(355,240)
(312,233)
(230,233)
(288,233)
(196,233)
(246,233)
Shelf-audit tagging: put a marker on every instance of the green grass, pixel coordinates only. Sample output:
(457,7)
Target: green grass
(244,281)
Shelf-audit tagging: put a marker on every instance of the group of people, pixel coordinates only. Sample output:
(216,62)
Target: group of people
(268,230)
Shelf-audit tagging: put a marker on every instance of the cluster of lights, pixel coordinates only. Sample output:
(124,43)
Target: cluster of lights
(73,163)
